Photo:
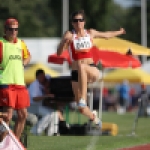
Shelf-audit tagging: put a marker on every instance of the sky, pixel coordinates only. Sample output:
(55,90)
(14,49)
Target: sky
(124,3)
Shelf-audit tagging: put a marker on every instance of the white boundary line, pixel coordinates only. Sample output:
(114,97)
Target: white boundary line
(91,145)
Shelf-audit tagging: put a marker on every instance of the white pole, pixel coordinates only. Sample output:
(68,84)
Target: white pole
(65,24)
(65,15)
(91,98)
(144,26)
(101,97)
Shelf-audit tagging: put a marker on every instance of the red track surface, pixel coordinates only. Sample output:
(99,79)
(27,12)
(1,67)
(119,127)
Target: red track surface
(140,147)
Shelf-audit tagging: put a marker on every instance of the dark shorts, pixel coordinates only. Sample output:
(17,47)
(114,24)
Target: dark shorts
(74,74)
(122,101)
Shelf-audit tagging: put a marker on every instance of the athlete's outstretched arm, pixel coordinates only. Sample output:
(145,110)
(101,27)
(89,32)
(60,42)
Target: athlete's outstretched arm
(64,43)
(107,34)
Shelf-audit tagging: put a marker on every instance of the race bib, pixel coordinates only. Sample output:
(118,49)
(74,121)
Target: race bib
(82,44)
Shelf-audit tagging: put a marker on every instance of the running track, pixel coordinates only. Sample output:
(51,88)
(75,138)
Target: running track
(140,147)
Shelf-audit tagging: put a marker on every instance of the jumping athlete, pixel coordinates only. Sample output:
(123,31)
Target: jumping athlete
(79,42)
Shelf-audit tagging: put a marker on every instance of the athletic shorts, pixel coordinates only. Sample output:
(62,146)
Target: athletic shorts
(15,96)
(74,74)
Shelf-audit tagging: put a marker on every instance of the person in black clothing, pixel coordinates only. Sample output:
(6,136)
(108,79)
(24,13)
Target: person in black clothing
(144,101)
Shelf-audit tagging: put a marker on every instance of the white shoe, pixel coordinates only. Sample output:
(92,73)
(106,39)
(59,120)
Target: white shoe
(96,120)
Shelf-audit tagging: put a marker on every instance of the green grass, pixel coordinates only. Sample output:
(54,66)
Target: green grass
(124,122)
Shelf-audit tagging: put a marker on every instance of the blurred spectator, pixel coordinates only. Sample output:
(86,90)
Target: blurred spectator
(134,99)
(105,91)
(144,101)
(111,100)
(96,97)
(38,93)
(124,96)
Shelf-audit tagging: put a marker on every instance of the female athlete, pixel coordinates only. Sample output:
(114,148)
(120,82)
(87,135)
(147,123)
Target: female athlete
(79,42)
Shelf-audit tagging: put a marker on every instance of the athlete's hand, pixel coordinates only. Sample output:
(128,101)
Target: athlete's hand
(67,37)
(122,30)
(67,41)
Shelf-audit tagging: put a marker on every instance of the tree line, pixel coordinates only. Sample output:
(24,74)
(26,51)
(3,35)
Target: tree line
(43,18)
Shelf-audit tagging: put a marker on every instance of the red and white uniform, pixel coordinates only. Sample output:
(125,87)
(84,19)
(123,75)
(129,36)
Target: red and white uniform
(80,47)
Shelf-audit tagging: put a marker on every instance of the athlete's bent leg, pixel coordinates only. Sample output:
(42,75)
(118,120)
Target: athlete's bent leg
(82,104)
(86,74)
